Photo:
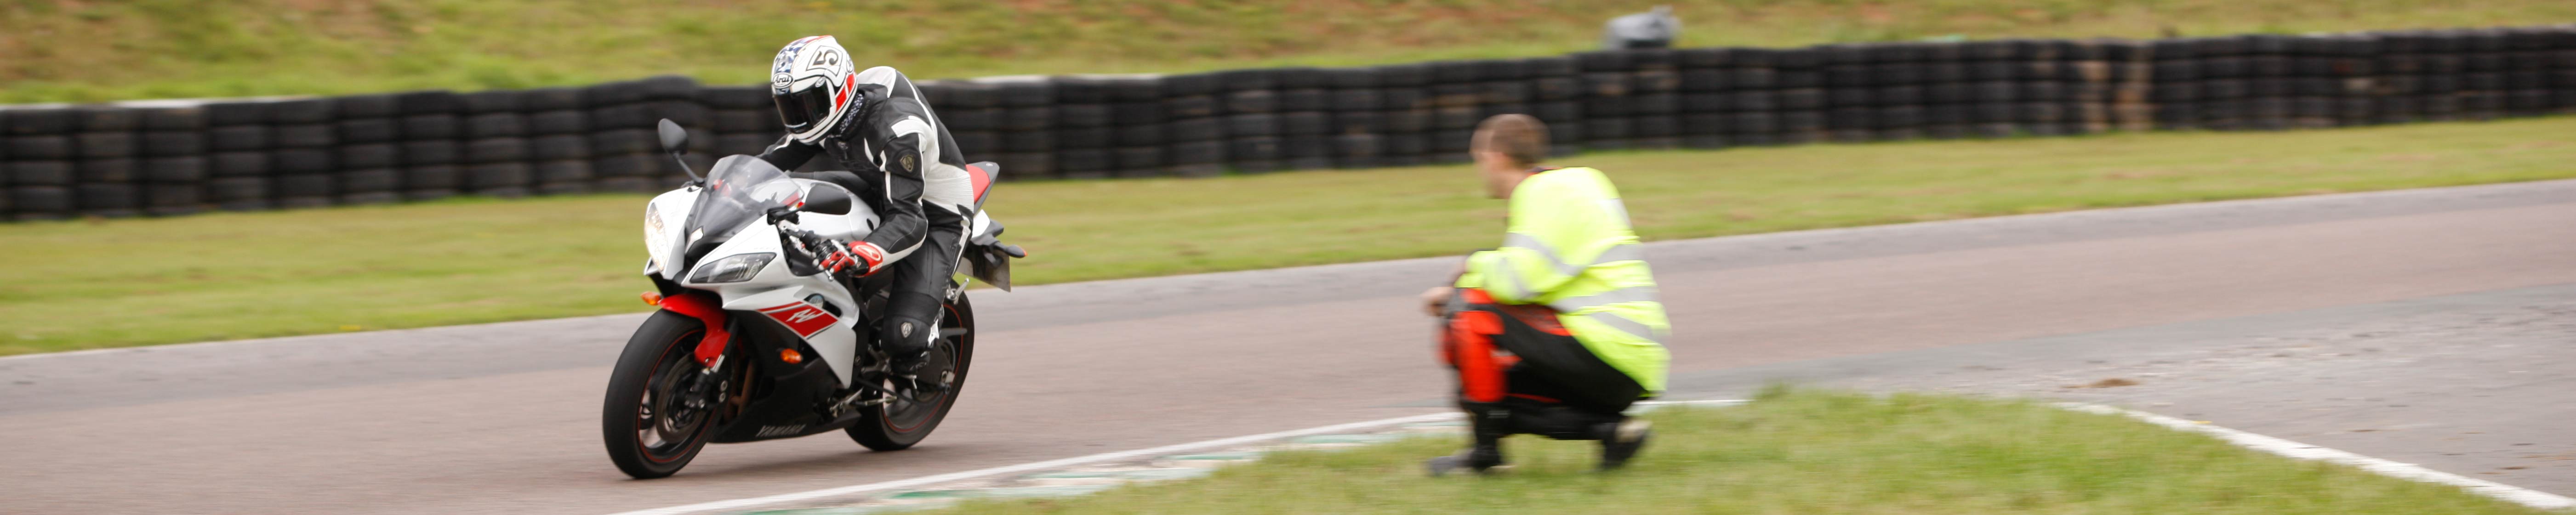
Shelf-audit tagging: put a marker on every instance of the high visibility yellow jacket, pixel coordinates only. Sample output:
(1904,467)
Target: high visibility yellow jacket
(1569,246)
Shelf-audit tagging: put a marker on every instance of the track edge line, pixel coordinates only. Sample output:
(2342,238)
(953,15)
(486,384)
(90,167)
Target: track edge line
(2296,450)
(749,502)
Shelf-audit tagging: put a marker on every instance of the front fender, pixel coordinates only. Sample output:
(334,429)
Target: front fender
(705,307)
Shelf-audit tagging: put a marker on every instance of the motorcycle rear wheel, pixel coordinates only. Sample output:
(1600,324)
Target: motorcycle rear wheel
(659,412)
(897,425)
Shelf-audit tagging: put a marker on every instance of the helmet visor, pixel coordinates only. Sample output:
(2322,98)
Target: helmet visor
(801,108)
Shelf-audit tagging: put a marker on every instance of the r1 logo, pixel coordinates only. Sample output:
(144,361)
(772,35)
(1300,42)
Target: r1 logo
(805,319)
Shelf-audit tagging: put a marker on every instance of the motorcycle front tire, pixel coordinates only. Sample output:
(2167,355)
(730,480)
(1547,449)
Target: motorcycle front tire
(662,348)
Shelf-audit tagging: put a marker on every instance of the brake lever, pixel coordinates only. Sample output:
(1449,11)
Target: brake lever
(803,253)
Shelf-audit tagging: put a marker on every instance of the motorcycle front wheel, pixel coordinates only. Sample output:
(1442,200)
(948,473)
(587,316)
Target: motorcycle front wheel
(661,404)
(900,423)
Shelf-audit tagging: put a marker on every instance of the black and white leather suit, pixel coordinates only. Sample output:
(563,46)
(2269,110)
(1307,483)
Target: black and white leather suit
(901,160)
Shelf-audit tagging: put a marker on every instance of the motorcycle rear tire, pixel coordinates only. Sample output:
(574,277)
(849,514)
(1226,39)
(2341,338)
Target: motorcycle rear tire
(665,340)
(888,427)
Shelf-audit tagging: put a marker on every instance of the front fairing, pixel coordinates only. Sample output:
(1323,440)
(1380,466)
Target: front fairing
(691,230)
(665,219)
(813,307)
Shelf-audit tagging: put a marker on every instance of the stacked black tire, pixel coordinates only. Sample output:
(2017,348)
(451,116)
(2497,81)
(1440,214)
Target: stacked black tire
(2131,72)
(556,132)
(1606,100)
(176,157)
(1025,127)
(1250,100)
(1872,92)
(625,151)
(741,118)
(104,175)
(1729,97)
(1706,104)
(369,153)
(426,131)
(1138,129)
(304,166)
(238,161)
(1800,80)
(1193,126)
(969,109)
(1400,119)
(1085,140)
(2473,74)
(493,144)
(2273,82)
(1355,134)
(40,164)
(1305,119)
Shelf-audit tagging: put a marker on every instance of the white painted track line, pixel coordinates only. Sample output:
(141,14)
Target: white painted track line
(737,504)
(2407,471)
(2286,448)
(752,502)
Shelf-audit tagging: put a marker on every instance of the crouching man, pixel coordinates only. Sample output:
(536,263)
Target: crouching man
(1557,331)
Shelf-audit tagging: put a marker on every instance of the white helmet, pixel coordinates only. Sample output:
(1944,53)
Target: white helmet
(813,82)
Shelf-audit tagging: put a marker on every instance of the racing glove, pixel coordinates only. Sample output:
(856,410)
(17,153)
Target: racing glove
(850,260)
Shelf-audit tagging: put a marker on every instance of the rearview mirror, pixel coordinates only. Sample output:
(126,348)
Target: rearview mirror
(674,139)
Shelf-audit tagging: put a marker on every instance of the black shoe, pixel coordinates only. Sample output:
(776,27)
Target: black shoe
(1481,460)
(1623,442)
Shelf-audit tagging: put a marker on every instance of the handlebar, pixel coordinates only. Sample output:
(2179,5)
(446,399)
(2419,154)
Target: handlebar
(806,249)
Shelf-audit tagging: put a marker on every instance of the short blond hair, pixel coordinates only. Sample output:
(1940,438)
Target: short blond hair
(1518,136)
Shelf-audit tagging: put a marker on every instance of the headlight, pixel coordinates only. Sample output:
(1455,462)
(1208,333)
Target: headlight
(732,269)
(653,218)
(654,241)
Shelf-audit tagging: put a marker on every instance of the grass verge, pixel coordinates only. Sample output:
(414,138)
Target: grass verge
(107,283)
(1812,453)
(91,51)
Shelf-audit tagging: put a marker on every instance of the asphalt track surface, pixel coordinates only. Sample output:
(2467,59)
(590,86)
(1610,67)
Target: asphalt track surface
(503,417)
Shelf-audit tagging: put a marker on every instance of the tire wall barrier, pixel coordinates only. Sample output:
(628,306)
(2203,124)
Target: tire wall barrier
(163,158)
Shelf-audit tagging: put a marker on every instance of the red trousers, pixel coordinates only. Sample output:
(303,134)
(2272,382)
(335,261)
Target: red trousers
(1521,354)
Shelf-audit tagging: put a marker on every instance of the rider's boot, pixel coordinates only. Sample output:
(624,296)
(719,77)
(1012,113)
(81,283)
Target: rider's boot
(1482,459)
(908,351)
(1489,423)
(1621,440)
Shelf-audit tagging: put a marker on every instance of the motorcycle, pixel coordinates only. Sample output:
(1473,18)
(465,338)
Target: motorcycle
(753,342)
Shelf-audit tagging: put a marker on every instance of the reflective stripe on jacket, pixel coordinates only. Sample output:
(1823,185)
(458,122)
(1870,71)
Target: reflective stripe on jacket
(1569,246)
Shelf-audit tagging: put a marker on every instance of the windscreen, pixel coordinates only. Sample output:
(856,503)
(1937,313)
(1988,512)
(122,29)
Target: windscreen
(739,190)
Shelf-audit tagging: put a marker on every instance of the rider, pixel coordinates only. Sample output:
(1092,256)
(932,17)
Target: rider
(1556,332)
(875,124)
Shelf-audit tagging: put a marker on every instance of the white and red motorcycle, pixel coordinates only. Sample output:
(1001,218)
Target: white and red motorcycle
(754,343)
